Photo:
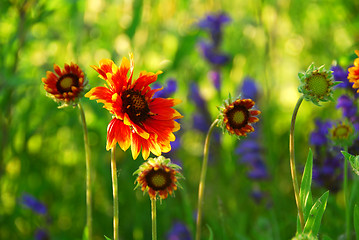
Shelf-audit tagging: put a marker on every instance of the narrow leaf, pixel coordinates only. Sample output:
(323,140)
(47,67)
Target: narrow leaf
(356,221)
(85,235)
(107,238)
(354,161)
(210,232)
(314,220)
(305,187)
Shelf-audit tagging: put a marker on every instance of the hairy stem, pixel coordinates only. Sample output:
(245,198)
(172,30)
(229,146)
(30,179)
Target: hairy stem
(154,219)
(292,163)
(115,194)
(202,180)
(88,175)
(346,198)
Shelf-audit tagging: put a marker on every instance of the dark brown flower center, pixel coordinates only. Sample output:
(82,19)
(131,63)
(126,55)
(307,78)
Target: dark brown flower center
(238,116)
(135,105)
(158,179)
(67,81)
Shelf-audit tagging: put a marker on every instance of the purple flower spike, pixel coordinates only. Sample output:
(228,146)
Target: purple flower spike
(179,231)
(319,136)
(340,75)
(249,89)
(347,105)
(212,55)
(34,204)
(169,88)
(41,234)
(213,23)
(215,76)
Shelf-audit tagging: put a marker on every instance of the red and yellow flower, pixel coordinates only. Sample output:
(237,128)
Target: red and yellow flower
(237,117)
(139,120)
(158,176)
(353,75)
(65,85)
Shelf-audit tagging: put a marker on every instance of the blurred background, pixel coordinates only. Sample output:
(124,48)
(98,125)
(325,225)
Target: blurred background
(206,50)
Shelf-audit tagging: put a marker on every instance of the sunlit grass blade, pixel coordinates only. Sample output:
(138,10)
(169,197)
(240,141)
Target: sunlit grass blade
(313,222)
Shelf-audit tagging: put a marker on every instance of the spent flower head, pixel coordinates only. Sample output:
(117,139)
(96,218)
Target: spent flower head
(158,176)
(343,134)
(317,84)
(237,116)
(66,85)
(139,120)
(353,75)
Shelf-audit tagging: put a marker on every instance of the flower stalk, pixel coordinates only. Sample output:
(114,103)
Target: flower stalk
(202,180)
(154,218)
(346,197)
(292,162)
(88,174)
(115,194)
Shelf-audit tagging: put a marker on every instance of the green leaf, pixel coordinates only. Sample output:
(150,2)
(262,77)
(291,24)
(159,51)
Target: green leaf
(313,222)
(137,6)
(354,161)
(210,232)
(305,195)
(356,220)
(85,234)
(107,238)
(325,237)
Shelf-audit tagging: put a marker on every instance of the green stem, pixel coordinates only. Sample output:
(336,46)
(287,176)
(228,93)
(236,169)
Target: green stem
(346,198)
(154,219)
(88,175)
(115,193)
(202,180)
(292,163)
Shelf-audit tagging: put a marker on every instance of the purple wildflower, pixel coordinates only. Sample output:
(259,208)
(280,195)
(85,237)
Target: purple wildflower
(249,89)
(213,23)
(215,76)
(196,97)
(41,234)
(168,89)
(328,170)
(347,105)
(212,54)
(319,136)
(34,204)
(340,75)
(179,231)
(200,122)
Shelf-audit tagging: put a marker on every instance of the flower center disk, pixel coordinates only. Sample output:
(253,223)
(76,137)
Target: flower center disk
(238,117)
(318,84)
(158,179)
(341,132)
(66,82)
(135,105)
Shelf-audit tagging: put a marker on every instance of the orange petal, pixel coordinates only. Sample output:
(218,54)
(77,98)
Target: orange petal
(135,145)
(111,130)
(123,135)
